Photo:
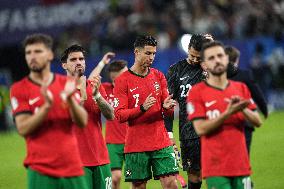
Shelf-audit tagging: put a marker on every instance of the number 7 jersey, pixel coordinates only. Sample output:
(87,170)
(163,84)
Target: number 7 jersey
(146,131)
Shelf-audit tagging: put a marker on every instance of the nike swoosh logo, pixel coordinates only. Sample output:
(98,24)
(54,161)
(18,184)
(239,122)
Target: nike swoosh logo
(182,78)
(208,104)
(131,90)
(32,101)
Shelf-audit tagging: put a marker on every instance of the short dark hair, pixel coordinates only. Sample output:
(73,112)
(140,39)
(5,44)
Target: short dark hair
(71,49)
(209,45)
(145,40)
(38,38)
(117,65)
(233,53)
(197,41)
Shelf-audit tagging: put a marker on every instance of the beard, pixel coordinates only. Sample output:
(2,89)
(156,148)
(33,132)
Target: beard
(37,69)
(79,71)
(218,70)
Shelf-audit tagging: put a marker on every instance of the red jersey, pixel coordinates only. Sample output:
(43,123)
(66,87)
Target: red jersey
(52,148)
(146,131)
(223,153)
(115,131)
(91,142)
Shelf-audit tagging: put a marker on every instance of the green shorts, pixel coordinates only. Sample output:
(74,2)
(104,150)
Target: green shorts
(141,166)
(37,180)
(241,182)
(116,155)
(98,177)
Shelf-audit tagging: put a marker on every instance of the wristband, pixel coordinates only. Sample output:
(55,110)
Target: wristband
(97,96)
(142,108)
(171,135)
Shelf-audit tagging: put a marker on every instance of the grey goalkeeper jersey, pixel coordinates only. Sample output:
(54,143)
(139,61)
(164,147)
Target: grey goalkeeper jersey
(181,77)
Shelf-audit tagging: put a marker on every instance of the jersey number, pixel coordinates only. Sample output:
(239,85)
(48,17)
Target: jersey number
(247,183)
(108,183)
(212,114)
(185,89)
(136,96)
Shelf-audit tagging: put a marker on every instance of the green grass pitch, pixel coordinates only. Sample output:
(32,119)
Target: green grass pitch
(267,157)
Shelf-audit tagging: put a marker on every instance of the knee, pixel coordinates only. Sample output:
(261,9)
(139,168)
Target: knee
(116,177)
(194,176)
(169,182)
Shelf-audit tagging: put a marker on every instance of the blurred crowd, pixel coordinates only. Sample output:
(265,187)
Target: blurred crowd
(115,28)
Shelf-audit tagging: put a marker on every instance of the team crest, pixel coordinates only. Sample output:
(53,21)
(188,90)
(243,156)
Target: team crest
(157,86)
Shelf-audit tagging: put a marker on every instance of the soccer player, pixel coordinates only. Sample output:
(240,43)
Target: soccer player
(218,108)
(115,131)
(245,76)
(91,143)
(181,77)
(44,106)
(142,99)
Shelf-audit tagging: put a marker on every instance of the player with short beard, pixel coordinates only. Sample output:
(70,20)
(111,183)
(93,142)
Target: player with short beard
(44,109)
(218,108)
(91,143)
(181,77)
(142,99)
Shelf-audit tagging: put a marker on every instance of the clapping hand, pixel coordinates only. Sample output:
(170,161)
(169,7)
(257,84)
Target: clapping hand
(169,102)
(236,104)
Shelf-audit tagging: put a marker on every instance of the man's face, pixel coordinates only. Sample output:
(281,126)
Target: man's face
(194,56)
(38,56)
(215,60)
(145,56)
(75,64)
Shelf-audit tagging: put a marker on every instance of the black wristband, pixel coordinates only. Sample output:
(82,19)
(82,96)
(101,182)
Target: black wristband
(142,108)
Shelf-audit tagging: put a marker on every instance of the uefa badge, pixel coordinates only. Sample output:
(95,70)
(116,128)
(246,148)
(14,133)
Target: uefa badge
(190,108)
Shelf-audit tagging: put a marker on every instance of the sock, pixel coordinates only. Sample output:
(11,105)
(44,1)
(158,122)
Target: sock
(192,185)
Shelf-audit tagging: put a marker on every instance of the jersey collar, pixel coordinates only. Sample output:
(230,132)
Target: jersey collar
(143,76)
(228,84)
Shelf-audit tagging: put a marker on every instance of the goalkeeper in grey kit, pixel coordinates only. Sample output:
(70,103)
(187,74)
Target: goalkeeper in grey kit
(181,77)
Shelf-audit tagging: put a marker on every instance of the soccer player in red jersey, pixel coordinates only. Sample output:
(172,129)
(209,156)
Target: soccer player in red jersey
(91,143)
(44,118)
(142,98)
(115,131)
(218,108)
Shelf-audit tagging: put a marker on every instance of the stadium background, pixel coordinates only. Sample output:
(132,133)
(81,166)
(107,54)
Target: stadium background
(255,27)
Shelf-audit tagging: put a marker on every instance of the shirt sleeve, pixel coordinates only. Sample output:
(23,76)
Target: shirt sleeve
(195,105)
(19,101)
(171,81)
(122,112)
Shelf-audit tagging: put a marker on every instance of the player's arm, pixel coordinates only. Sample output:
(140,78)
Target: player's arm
(122,112)
(105,60)
(207,126)
(78,113)
(27,123)
(98,93)
(249,113)
(252,116)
